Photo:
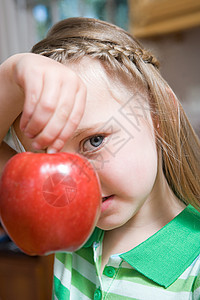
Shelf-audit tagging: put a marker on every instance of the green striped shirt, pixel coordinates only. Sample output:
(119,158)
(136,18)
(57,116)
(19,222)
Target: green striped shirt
(165,266)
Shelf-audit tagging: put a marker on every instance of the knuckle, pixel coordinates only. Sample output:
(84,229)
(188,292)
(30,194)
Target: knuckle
(58,144)
(74,122)
(48,137)
(44,140)
(48,106)
(63,113)
(26,116)
(37,122)
(33,98)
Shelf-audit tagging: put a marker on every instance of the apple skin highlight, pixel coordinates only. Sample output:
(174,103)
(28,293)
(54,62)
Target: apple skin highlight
(49,202)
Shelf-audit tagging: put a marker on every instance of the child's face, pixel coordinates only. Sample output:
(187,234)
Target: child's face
(116,135)
(118,139)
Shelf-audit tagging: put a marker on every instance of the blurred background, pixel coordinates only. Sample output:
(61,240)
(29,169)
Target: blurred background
(169,28)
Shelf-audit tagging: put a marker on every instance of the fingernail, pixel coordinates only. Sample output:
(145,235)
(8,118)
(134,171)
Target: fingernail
(51,150)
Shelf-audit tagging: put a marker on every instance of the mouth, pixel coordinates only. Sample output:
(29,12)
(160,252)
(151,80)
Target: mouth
(106,198)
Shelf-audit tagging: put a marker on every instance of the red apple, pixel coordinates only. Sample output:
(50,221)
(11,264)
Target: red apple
(49,202)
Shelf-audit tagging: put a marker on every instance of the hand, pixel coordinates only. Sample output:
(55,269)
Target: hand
(54,103)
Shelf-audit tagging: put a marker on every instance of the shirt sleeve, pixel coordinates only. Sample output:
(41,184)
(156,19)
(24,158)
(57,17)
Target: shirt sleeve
(196,288)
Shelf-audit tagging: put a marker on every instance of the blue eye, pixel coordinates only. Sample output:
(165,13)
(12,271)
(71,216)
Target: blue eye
(96,140)
(92,143)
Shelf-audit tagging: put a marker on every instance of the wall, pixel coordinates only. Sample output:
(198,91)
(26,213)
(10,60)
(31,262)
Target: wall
(179,55)
(17,29)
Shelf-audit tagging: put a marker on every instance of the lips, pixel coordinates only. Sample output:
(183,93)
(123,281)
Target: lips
(106,198)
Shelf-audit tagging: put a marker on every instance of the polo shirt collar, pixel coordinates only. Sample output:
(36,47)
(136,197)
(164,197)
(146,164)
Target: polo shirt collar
(164,256)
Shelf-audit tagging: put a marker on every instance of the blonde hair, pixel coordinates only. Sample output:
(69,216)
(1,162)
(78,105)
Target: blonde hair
(123,57)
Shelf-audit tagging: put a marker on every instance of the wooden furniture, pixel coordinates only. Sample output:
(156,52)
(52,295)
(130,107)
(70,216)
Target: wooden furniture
(24,277)
(154,17)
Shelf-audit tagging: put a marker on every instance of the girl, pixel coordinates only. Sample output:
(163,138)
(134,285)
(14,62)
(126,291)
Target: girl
(95,91)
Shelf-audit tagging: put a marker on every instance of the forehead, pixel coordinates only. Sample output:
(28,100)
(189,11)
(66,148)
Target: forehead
(105,96)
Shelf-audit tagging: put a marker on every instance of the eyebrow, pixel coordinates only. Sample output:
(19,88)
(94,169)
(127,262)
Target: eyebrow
(85,129)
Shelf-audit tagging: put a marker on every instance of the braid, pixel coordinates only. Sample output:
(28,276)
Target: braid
(78,48)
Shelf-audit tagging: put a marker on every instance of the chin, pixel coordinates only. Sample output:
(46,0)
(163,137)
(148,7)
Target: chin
(107,225)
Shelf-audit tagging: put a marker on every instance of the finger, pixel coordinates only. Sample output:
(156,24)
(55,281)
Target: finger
(58,120)
(72,123)
(44,109)
(33,89)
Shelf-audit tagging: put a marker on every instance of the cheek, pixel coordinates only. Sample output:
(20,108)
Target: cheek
(136,174)
(133,169)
